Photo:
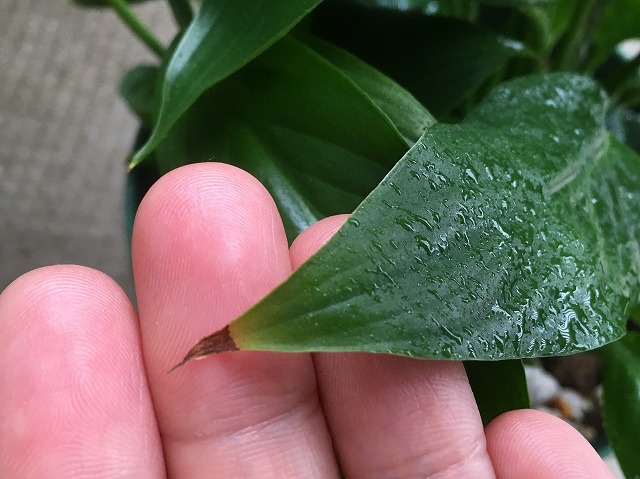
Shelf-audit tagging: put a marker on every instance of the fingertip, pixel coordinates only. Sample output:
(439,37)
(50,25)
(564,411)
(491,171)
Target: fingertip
(314,238)
(186,182)
(65,317)
(45,290)
(208,242)
(530,444)
(74,390)
(196,198)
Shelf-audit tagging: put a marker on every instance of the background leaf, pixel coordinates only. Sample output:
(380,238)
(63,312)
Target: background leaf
(552,20)
(620,21)
(137,88)
(621,387)
(402,109)
(442,61)
(498,386)
(318,141)
(224,36)
(512,235)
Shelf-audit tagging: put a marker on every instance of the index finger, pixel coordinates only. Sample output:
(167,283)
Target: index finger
(209,243)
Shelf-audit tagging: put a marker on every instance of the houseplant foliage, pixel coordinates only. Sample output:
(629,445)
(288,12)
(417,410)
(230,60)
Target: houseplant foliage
(487,148)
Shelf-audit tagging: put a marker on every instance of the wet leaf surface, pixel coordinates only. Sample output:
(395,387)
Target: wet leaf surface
(512,235)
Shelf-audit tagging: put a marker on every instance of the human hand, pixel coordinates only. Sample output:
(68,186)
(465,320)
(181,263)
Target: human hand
(85,390)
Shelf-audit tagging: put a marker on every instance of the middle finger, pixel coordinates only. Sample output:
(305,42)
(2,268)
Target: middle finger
(393,416)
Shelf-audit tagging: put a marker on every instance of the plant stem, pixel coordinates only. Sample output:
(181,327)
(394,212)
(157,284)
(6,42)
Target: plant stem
(121,7)
(181,12)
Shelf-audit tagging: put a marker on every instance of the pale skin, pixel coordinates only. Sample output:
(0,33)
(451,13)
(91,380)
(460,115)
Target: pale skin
(85,391)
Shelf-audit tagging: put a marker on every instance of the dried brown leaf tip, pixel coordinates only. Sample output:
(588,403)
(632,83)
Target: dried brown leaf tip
(218,342)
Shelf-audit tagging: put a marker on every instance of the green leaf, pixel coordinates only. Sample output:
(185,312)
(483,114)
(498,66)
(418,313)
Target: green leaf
(402,109)
(224,36)
(498,386)
(137,88)
(621,388)
(620,21)
(552,20)
(303,127)
(442,61)
(182,12)
(512,235)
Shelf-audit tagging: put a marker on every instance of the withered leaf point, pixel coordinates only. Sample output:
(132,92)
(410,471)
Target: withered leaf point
(218,342)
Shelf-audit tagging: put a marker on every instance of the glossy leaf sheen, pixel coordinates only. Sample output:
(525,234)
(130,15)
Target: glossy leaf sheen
(303,127)
(224,36)
(621,387)
(512,235)
(498,387)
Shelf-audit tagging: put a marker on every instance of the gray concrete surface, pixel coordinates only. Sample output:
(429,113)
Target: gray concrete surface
(64,134)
